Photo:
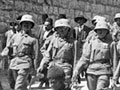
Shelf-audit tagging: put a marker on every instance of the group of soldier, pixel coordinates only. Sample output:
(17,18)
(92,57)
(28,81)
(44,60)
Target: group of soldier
(58,53)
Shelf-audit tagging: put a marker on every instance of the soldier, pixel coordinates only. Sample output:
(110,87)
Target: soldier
(116,75)
(60,50)
(116,25)
(97,58)
(116,45)
(24,52)
(92,34)
(56,76)
(8,35)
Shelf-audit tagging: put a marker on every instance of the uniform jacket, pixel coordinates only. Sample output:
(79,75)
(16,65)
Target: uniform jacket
(116,46)
(114,29)
(9,35)
(23,51)
(99,56)
(59,50)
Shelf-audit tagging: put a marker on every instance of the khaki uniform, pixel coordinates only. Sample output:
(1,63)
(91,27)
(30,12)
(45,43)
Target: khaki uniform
(114,29)
(24,58)
(11,76)
(98,55)
(116,68)
(61,53)
(9,35)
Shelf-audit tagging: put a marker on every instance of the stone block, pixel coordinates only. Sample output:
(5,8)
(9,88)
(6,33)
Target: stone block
(51,9)
(62,11)
(45,8)
(117,10)
(87,7)
(93,7)
(118,3)
(97,8)
(107,9)
(49,2)
(28,6)
(19,5)
(113,10)
(35,8)
(100,8)
(92,1)
(40,1)
(67,13)
(77,12)
(88,15)
(82,5)
(110,2)
(56,2)
(74,4)
(72,13)
(115,2)
(98,1)
(104,2)
(40,9)
(64,3)
(55,11)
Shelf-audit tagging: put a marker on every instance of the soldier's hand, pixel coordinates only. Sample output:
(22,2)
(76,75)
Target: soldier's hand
(75,76)
(40,69)
(113,83)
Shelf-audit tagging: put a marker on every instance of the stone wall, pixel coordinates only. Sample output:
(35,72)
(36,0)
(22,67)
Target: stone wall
(71,8)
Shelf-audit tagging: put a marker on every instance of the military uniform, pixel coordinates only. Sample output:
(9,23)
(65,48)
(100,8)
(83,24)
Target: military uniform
(12,75)
(59,52)
(24,55)
(9,35)
(98,56)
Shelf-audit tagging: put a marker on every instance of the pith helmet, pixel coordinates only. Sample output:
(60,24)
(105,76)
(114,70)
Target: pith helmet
(95,18)
(102,25)
(61,23)
(117,16)
(100,19)
(27,18)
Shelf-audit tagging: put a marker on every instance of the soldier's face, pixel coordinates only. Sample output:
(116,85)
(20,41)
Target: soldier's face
(26,26)
(102,33)
(118,21)
(62,31)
